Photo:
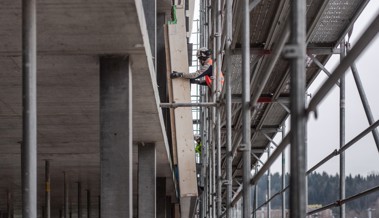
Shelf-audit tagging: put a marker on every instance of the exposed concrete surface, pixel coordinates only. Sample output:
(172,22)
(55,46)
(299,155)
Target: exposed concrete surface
(71,37)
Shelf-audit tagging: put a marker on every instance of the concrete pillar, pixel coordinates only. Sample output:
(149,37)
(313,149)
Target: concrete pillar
(116,137)
(176,212)
(168,207)
(146,181)
(161,197)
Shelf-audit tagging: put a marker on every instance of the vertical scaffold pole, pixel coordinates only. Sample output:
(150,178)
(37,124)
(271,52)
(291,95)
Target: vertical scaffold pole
(218,109)
(296,52)
(364,100)
(283,175)
(268,184)
(246,113)
(214,111)
(29,109)
(229,157)
(342,133)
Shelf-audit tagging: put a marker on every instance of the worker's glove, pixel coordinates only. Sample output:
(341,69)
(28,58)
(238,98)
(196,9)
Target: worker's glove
(176,74)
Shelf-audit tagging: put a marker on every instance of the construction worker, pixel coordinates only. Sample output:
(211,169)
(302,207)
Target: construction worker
(198,144)
(204,56)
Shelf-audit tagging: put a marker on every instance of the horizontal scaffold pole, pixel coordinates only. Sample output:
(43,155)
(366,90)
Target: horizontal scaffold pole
(175,105)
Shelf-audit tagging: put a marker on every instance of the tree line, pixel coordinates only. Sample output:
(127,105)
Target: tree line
(323,189)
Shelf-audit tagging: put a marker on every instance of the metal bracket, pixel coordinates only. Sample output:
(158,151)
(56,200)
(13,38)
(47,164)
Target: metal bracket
(292,51)
(226,182)
(243,147)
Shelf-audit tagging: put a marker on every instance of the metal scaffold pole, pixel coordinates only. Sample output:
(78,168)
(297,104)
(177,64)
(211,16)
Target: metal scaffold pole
(364,100)
(296,51)
(342,133)
(246,113)
(268,184)
(229,156)
(218,109)
(29,109)
(214,112)
(283,175)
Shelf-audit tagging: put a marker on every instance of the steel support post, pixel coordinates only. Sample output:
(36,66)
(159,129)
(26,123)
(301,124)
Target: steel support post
(47,189)
(79,200)
(268,184)
(9,205)
(214,113)
(246,113)
(365,103)
(65,196)
(213,165)
(210,162)
(88,203)
(99,208)
(342,133)
(256,189)
(283,175)
(296,52)
(29,110)
(203,156)
(218,109)
(218,163)
(228,86)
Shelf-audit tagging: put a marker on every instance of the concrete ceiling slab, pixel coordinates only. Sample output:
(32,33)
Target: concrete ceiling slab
(72,34)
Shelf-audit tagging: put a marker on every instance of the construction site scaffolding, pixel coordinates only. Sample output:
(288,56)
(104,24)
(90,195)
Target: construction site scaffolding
(215,203)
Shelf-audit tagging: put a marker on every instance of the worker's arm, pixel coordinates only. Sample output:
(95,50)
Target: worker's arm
(204,70)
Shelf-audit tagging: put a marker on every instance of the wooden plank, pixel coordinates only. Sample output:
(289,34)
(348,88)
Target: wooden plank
(170,96)
(183,116)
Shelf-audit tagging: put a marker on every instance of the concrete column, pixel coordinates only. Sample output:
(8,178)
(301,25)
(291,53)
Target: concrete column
(176,212)
(168,207)
(116,137)
(146,181)
(161,197)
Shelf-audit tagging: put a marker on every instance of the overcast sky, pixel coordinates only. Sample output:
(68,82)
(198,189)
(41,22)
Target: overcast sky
(323,133)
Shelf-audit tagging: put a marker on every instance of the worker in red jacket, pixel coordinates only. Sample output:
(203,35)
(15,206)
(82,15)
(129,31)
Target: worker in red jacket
(204,56)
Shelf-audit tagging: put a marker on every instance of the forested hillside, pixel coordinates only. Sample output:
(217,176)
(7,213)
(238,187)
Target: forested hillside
(324,189)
